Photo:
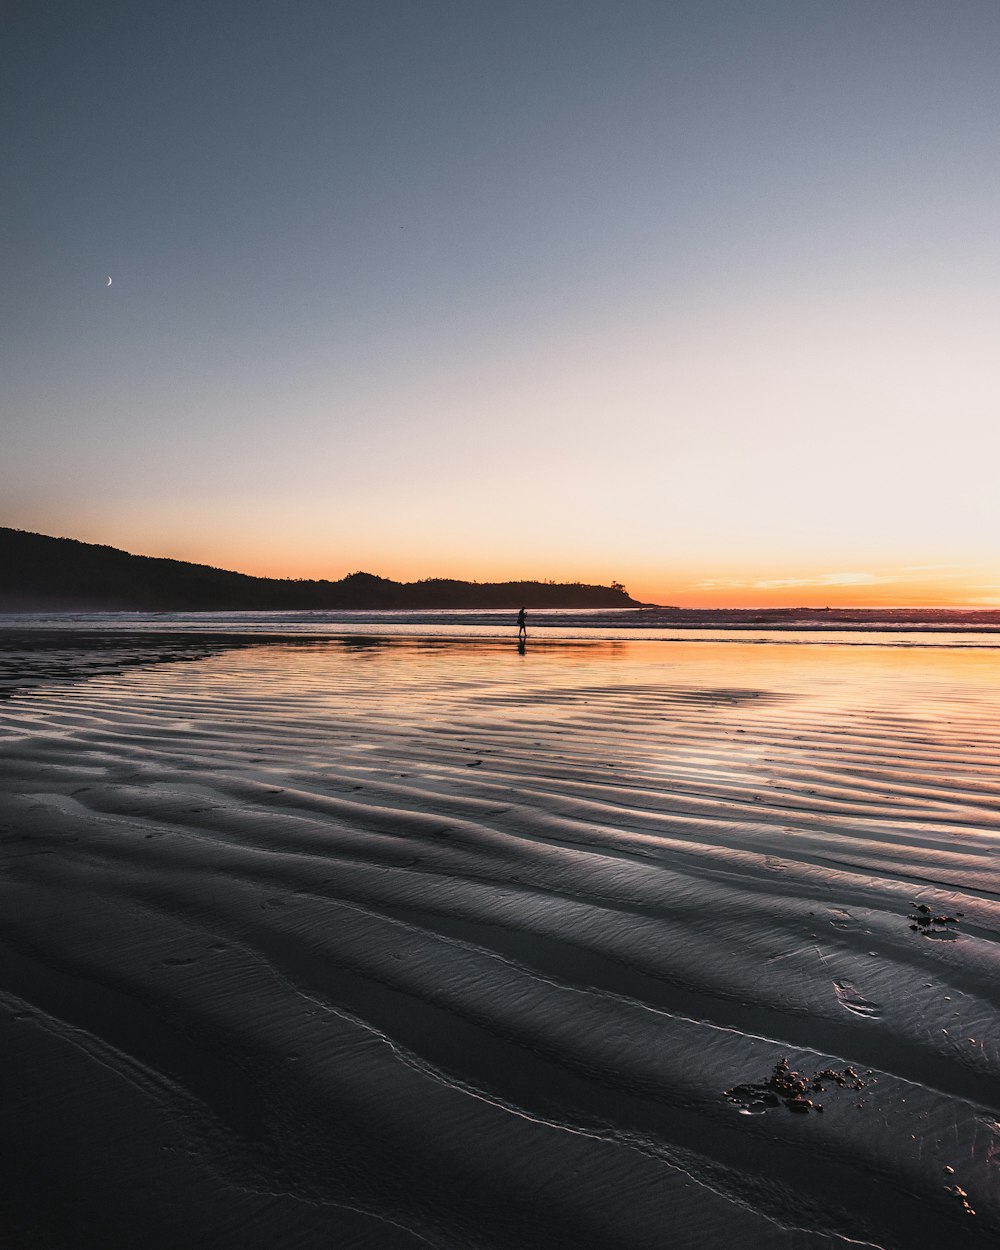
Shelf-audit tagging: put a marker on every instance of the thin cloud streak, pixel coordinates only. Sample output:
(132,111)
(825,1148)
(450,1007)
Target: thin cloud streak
(783,583)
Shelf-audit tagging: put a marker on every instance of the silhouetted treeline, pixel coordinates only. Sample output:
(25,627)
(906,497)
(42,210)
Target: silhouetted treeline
(42,573)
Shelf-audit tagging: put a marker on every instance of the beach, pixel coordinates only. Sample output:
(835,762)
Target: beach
(401,941)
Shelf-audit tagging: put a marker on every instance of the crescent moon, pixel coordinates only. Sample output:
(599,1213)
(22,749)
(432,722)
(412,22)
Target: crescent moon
(109,280)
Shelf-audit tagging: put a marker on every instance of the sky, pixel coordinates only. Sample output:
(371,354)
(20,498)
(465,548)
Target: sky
(701,297)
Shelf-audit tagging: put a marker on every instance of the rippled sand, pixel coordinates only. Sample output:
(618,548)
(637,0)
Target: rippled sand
(402,943)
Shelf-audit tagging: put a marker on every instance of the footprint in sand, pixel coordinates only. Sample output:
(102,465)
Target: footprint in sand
(851,1000)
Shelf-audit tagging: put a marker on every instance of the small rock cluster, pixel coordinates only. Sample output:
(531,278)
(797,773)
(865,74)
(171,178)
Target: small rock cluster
(792,1088)
(960,1193)
(924,920)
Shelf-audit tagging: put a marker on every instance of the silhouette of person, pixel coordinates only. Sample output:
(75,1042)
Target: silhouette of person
(522,629)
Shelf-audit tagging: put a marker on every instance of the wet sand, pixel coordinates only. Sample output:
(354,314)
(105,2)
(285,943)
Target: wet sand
(403,943)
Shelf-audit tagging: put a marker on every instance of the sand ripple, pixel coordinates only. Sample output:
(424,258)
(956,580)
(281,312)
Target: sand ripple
(416,943)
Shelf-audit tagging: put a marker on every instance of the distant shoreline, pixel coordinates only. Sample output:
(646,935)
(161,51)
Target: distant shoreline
(39,573)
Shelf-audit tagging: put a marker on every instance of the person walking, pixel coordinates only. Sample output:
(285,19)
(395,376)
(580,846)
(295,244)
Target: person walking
(522,629)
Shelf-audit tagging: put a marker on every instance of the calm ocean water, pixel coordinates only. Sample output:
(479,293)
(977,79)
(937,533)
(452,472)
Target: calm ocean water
(895,627)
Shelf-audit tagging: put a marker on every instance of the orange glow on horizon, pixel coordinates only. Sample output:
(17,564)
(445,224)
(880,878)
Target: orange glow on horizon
(907,587)
(911,596)
(931,586)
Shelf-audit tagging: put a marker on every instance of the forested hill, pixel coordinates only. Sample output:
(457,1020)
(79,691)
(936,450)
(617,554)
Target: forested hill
(38,573)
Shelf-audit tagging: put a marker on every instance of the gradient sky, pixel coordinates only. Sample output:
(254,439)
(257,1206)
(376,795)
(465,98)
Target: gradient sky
(704,297)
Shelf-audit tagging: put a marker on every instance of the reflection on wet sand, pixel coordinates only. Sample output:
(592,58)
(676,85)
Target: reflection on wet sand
(406,942)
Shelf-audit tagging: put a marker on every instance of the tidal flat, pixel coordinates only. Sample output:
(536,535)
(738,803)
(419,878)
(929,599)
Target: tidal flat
(405,942)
